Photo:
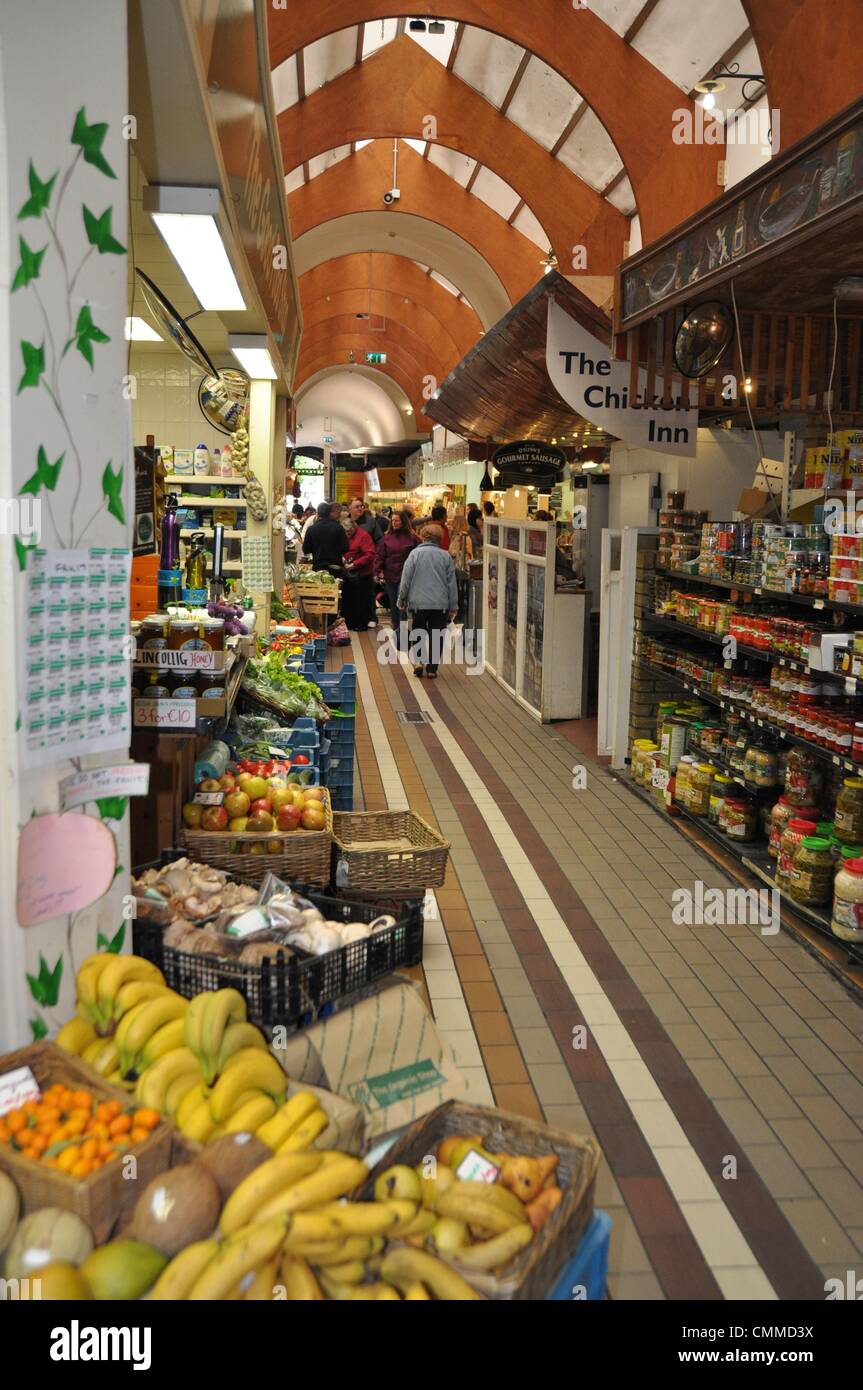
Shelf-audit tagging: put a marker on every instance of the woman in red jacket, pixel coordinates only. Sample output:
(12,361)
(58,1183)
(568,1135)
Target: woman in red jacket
(358,595)
(393,549)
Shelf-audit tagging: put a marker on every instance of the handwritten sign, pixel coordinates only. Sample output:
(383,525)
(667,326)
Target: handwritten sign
(202,659)
(65,863)
(16,1087)
(209,798)
(129,779)
(175,715)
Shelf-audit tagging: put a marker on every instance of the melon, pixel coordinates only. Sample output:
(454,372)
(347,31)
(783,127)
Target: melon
(46,1235)
(9,1207)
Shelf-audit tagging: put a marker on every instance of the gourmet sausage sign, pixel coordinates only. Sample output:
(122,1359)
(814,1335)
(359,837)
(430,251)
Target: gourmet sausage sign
(597,388)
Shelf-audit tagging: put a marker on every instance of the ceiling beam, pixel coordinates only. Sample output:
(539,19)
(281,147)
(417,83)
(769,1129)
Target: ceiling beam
(727,57)
(453,53)
(513,86)
(568,129)
(640,20)
(301,77)
(306,171)
(516,210)
(361,33)
(475,173)
(613,183)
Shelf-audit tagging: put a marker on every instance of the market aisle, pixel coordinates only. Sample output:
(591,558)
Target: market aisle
(706,1044)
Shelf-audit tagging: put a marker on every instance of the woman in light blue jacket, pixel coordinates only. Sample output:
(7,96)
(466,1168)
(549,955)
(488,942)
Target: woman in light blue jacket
(428,589)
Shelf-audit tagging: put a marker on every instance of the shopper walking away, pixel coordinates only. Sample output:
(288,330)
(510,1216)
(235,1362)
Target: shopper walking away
(438,518)
(488,509)
(360,514)
(325,540)
(392,553)
(474,529)
(358,593)
(428,589)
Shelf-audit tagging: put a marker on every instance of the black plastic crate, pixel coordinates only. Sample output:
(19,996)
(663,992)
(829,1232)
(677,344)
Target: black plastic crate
(292,992)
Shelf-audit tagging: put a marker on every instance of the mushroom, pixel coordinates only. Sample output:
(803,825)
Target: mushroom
(177,881)
(177,932)
(204,943)
(381,923)
(205,884)
(325,937)
(194,906)
(354,931)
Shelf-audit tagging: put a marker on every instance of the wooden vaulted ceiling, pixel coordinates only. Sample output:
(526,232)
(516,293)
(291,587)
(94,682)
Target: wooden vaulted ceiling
(564,133)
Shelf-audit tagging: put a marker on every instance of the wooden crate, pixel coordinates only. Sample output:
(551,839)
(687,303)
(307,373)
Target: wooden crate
(107,1196)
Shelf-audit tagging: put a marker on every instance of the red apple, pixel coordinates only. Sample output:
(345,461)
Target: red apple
(227,781)
(260,820)
(280,797)
(236,803)
(315,794)
(192,812)
(261,804)
(288,817)
(214,818)
(238,824)
(313,818)
(210,784)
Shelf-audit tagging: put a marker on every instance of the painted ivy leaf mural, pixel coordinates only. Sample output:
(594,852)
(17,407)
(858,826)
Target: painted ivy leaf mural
(45,987)
(115,945)
(46,475)
(22,551)
(99,232)
(38,1027)
(90,139)
(86,334)
(29,268)
(112,807)
(34,365)
(40,195)
(112,486)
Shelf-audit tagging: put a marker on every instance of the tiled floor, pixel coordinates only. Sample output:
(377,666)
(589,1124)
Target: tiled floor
(720,1070)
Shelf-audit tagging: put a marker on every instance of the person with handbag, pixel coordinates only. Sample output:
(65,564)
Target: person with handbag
(392,552)
(358,596)
(428,589)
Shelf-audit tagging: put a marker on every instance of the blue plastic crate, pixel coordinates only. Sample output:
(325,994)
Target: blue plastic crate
(338,686)
(342,799)
(315,653)
(588,1268)
(341,777)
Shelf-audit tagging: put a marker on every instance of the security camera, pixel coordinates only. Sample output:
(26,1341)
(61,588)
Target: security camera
(392,196)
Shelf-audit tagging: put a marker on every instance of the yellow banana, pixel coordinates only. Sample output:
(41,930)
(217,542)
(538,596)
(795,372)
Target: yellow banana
(360,1218)
(405,1267)
(481,1216)
(153,1083)
(246,1250)
(87,986)
(312,1226)
(496,1194)
(344,1293)
(417,1293)
(299,1281)
(200,1124)
(351,1272)
(246,1118)
(261,1289)
(120,971)
(136,992)
(331,1252)
(325,1185)
(421,1222)
(193,1016)
(179,1276)
(255,1190)
(247,1070)
(224,1006)
(102,1056)
(75,1035)
(194,1094)
(146,1019)
(305,1135)
(166,1039)
(117,1078)
(287,1119)
(238,1035)
(492,1254)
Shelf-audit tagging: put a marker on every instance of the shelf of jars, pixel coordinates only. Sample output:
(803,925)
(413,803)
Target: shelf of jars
(814,601)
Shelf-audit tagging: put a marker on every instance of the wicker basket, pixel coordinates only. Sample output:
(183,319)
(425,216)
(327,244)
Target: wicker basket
(534,1271)
(303,857)
(391,854)
(106,1196)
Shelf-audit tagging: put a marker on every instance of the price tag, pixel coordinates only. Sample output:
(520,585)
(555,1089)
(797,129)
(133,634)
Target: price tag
(837,760)
(760,723)
(756,591)
(850,685)
(661,777)
(16,1087)
(209,798)
(819,603)
(782,661)
(728,665)
(165,714)
(475,1168)
(722,704)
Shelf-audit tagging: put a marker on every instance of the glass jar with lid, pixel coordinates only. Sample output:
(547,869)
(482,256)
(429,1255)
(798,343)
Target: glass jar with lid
(804,777)
(846,919)
(738,818)
(846,852)
(848,819)
(794,833)
(682,779)
(720,786)
(699,788)
(811,879)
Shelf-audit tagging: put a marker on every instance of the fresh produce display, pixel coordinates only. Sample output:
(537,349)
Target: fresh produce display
(294,574)
(75,1131)
(260,801)
(270,678)
(187,893)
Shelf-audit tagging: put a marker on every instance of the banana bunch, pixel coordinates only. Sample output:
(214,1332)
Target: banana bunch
(149,1030)
(248,1092)
(295,1126)
(100,987)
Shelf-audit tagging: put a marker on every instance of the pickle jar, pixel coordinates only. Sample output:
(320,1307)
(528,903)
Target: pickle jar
(719,789)
(794,833)
(848,819)
(846,920)
(804,778)
(699,789)
(739,819)
(811,878)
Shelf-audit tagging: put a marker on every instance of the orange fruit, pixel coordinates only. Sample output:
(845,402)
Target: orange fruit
(146,1119)
(82,1169)
(30,1107)
(121,1125)
(139,1134)
(99,1130)
(89,1149)
(39,1142)
(48,1115)
(83,1099)
(16,1120)
(106,1150)
(67,1159)
(104,1111)
(75,1124)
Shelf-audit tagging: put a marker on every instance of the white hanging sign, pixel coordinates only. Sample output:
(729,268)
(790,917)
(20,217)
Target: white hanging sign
(596,385)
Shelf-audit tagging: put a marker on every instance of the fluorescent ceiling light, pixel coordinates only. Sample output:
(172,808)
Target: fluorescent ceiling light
(138,331)
(253,354)
(186,218)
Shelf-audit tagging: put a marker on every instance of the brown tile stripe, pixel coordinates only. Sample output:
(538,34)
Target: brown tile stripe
(784,1259)
(509,1081)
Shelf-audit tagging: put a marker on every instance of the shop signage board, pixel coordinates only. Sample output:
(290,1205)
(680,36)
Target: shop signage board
(174,715)
(65,863)
(596,386)
(129,779)
(528,461)
(196,660)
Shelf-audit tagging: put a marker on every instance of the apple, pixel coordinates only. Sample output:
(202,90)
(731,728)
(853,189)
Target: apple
(238,824)
(315,794)
(210,784)
(313,818)
(262,804)
(260,820)
(243,778)
(192,812)
(214,818)
(288,817)
(274,847)
(255,848)
(227,781)
(276,783)
(299,796)
(236,803)
(255,788)
(280,797)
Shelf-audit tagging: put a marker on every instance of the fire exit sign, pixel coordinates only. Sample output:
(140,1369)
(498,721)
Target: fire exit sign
(372,358)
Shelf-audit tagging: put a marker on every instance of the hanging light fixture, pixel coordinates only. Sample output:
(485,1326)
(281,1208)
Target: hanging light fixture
(708,88)
(437,26)
(485,482)
(549,262)
(417,26)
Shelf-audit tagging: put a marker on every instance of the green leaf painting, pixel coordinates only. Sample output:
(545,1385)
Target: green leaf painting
(99,232)
(90,138)
(29,268)
(22,551)
(115,945)
(34,365)
(112,486)
(38,1027)
(45,987)
(112,807)
(86,334)
(46,475)
(40,195)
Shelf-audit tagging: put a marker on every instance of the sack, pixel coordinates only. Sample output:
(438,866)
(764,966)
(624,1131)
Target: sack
(338,635)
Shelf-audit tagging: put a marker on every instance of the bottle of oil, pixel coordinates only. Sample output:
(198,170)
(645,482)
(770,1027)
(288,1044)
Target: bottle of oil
(196,562)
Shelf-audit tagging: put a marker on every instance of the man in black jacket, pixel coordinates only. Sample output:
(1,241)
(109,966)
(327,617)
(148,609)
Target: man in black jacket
(363,517)
(326,540)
